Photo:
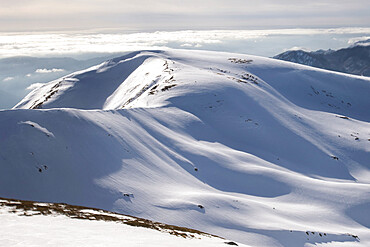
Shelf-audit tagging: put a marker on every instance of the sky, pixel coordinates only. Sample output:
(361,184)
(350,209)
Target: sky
(101,29)
(83,28)
(171,15)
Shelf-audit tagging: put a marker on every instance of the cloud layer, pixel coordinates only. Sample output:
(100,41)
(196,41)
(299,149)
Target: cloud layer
(258,42)
(44,71)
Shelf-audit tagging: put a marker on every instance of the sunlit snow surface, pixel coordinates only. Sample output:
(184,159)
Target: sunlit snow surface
(28,224)
(260,151)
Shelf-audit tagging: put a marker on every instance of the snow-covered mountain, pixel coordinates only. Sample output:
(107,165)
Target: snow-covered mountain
(353,60)
(256,150)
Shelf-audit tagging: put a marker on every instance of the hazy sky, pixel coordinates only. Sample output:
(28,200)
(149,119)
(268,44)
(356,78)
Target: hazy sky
(103,28)
(149,15)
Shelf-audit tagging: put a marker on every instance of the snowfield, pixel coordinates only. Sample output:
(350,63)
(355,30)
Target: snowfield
(256,150)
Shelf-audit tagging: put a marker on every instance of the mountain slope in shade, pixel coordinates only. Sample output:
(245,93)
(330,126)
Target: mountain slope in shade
(259,151)
(353,60)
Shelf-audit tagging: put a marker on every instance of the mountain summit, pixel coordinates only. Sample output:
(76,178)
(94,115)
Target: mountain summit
(256,150)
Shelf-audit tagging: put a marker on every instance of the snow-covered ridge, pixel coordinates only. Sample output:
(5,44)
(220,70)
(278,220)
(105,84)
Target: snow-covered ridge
(111,85)
(260,151)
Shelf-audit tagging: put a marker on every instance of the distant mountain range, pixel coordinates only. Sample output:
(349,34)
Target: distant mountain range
(353,60)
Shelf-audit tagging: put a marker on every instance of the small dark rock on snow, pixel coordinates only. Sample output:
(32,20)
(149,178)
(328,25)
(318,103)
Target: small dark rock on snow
(231,243)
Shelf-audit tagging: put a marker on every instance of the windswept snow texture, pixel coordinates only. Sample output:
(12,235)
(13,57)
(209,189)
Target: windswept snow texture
(259,151)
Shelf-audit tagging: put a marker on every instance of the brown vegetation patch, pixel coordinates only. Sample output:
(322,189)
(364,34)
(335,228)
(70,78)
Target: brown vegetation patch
(31,208)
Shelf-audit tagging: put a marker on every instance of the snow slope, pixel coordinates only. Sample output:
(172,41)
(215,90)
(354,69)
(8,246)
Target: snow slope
(260,151)
(47,224)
